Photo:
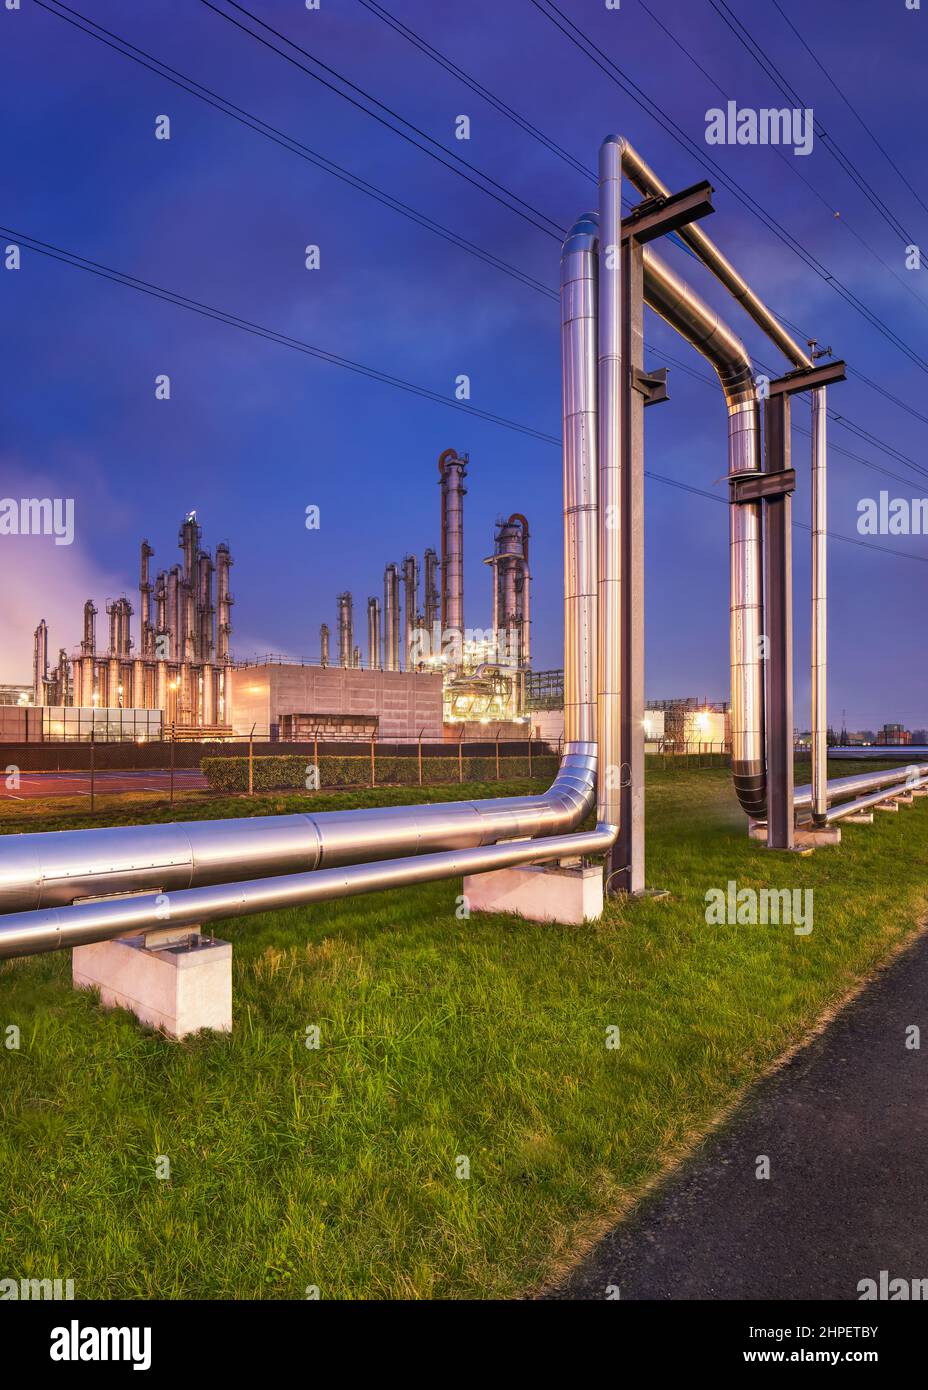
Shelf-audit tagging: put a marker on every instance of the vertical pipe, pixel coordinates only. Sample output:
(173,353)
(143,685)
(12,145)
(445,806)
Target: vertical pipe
(819,607)
(579,290)
(146,632)
(324,644)
(40,663)
(410,608)
(345,629)
(611,519)
(453,471)
(391,618)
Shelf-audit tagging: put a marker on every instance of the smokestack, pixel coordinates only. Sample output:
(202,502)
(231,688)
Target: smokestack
(324,644)
(224,601)
(511,591)
(453,471)
(345,629)
(410,607)
(431,598)
(373,633)
(89,644)
(391,619)
(40,663)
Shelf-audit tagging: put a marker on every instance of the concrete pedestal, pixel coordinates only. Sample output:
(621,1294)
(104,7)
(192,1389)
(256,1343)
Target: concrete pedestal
(886,806)
(804,836)
(542,893)
(858,818)
(179,989)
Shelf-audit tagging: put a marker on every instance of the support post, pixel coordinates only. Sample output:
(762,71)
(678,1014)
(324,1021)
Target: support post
(819,608)
(778,566)
(630,844)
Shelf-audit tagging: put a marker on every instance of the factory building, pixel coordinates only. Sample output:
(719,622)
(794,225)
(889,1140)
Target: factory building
(287,702)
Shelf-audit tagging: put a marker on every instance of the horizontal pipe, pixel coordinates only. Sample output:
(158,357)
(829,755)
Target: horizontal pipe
(840,788)
(53,868)
(864,803)
(57,928)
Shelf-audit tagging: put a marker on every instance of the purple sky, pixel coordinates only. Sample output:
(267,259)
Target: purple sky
(255,431)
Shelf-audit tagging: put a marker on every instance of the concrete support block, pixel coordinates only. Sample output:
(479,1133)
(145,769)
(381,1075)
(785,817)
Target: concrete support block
(886,806)
(179,989)
(858,818)
(903,799)
(543,893)
(804,836)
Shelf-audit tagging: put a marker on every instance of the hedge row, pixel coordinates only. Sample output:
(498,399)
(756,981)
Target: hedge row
(292,771)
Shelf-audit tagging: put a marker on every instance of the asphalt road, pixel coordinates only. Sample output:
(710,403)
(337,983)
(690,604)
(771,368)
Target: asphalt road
(39,784)
(845,1127)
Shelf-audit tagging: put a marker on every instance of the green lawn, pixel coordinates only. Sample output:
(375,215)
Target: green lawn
(441,1038)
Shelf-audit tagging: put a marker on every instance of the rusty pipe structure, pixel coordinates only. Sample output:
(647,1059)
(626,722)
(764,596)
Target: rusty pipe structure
(324,644)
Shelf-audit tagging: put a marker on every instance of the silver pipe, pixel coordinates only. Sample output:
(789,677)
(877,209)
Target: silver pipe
(52,929)
(410,574)
(55,868)
(841,787)
(647,182)
(863,803)
(819,605)
(610,521)
(579,289)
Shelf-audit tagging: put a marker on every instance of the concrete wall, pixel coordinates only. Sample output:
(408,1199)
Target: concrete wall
(403,702)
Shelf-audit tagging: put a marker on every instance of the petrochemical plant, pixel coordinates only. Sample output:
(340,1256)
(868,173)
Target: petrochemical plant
(423,667)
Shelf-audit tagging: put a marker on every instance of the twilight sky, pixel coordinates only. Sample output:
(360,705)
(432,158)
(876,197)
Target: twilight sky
(256,431)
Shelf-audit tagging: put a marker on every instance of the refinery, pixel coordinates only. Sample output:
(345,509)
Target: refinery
(180,661)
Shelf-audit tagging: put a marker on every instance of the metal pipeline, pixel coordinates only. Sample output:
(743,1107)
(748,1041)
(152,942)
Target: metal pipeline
(864,803)
(52,929)
(687,313)
(841,787)
(56,867)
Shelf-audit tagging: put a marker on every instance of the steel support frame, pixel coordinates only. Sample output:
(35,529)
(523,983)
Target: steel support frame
(778,583)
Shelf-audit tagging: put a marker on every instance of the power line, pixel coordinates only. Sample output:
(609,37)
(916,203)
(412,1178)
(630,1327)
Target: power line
(258,330)
(578,38)
(746,39)
(285,141)
(790,164)
(450,66)
(884,152)
(97,268)
(529,216)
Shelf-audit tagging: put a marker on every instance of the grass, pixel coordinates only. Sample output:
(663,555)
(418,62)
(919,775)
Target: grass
(441,1039)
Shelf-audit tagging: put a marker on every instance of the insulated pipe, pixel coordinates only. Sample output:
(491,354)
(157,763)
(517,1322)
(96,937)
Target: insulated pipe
(55,868)
(864,803)
(647,182)
(52,929)
(610,518)
(841,787)
(670,297)
(819,607)
(391,618)
(579,288)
